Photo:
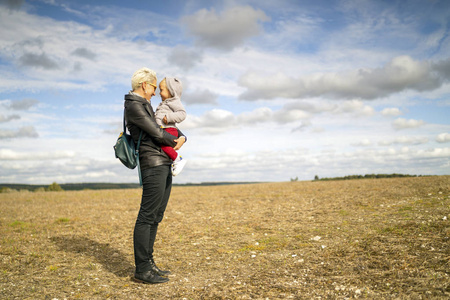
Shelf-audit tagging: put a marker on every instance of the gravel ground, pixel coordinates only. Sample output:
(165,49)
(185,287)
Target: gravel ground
(370,238)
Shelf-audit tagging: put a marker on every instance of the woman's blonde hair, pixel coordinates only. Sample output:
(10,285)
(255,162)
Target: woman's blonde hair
(142,75)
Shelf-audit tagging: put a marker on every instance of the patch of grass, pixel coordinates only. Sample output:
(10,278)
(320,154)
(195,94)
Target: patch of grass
(253,247)
(405,208)
(391,230)
(62,220)
(344,212)
(52,268)
(19,225)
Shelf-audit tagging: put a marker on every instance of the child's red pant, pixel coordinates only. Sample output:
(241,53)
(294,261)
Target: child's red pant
(167,149)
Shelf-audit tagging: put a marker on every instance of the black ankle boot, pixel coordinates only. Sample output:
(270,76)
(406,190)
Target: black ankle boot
(157,270)
(149,277)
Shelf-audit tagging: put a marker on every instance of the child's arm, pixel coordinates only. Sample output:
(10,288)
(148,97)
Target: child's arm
(178,113)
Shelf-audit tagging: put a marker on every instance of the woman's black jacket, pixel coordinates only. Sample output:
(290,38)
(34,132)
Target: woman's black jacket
(139,115)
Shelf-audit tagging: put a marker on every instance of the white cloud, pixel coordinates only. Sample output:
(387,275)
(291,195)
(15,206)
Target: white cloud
(400,74)
(7,154)
(8,118)
(404,140)
(226,30)
(355,106)
(298,113)
(85,53)
(308,108)
(200,97)
(433,153)
(12,4)
(24,104)
(259,115)
(213,121)
(402,123)
(363,143)
(42,60)
(391,111)
(25,131)
(184,58)
(276,165)
(51,61)
(285,116)
(219,120)
(443,138)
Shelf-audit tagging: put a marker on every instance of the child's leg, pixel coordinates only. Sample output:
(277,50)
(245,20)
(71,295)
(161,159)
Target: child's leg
(167,149)
(178,162)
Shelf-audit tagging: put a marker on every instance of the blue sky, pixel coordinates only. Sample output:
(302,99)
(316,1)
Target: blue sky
(274,90)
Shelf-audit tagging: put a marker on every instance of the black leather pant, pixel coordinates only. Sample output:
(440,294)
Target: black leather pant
(157,184)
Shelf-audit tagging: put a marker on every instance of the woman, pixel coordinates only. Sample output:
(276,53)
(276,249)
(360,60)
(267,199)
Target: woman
(155,170)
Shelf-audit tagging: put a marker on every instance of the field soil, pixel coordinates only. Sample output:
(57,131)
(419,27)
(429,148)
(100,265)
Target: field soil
(370,238)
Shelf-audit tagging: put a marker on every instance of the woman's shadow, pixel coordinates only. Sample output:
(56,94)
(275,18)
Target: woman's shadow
(112,259)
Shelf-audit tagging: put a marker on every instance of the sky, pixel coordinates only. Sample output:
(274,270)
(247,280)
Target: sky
(274,90)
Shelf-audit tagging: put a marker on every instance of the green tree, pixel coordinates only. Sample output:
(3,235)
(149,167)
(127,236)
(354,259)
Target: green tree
(54,187)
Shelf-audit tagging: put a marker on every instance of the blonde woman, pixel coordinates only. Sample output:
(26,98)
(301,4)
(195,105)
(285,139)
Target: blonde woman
(155,171)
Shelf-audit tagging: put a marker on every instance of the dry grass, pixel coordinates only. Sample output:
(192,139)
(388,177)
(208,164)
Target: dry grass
(384,238)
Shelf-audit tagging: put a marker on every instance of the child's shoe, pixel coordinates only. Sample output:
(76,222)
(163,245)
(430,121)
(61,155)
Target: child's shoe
(178,165)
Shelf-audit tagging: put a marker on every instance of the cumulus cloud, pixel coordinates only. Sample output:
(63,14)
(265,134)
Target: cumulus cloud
(443,138)
(284,116)
(23,104)
(355,107)
(219,120)
(4,119)
(200,97)
(401,74)
(304,124)
(391,111)
(42,61)
(12,4)
(226,30)
(404,140)
(7,154)
(184,58)
(363,143)
(84,53)
(259,115)
(402,123)
(213,121)
(26,131)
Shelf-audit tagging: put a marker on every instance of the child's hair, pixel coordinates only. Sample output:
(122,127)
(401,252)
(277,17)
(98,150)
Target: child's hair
(142,75)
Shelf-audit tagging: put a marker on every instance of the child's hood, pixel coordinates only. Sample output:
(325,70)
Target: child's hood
(174,86)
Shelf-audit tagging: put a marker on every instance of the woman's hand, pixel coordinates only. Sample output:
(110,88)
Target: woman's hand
(180,141)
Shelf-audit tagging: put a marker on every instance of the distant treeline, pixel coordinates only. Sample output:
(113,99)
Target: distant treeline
(372,176)
(66,187)
(6,187)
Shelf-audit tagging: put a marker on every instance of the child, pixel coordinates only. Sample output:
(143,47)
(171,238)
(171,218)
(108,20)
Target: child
(169,112)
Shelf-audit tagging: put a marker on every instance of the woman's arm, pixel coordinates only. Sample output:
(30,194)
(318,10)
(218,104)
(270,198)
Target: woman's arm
(137,115)
(180,141)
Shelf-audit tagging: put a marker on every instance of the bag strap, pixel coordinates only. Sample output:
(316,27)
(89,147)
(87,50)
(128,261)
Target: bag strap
(136,149)
(137,158)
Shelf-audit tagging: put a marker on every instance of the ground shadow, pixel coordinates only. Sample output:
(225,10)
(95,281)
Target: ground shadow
(112,259)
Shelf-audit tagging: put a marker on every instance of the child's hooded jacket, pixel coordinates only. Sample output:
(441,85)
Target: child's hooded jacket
(171,108)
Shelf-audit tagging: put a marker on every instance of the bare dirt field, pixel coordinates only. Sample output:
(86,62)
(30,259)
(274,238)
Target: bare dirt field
(371,238)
